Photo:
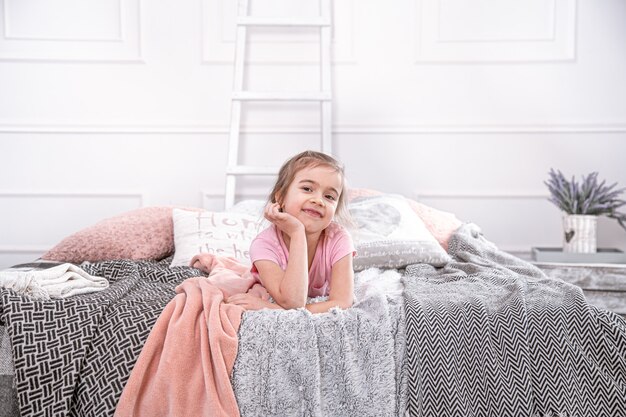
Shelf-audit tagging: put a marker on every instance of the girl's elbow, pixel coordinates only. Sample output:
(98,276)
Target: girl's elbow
(293,306)
(289,304)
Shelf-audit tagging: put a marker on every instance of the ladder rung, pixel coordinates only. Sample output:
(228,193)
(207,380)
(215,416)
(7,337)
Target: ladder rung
(251,170)
(281,96)
(279,21)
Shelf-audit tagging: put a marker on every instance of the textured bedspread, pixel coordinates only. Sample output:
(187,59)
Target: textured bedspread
(74,356)
(294,363)
(488,335)
(491,335)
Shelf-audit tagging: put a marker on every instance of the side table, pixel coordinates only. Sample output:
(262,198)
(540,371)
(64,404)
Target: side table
(604,285)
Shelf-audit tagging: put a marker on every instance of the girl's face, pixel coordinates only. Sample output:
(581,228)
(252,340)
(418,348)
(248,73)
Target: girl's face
(312,197)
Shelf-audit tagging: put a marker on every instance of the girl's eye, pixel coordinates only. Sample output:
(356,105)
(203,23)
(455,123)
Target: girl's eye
(308,189)
(331,197)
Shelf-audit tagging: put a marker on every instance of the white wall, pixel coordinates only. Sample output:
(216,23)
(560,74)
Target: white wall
(109,105)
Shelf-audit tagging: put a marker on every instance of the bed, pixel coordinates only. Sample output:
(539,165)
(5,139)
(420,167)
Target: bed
(467,331)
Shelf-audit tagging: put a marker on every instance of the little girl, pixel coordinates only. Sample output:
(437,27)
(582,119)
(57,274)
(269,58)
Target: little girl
(304,252)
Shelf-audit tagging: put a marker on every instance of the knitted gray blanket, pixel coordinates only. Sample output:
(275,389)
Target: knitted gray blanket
(341,363)
(491,335)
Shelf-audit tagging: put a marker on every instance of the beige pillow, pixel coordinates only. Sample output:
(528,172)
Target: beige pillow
(226,234)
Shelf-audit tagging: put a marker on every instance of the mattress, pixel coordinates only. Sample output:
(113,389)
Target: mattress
(8,395)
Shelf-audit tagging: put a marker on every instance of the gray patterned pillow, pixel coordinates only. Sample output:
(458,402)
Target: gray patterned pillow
(389,234)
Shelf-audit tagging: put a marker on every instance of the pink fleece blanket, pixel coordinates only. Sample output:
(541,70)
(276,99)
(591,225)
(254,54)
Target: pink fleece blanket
(185,366)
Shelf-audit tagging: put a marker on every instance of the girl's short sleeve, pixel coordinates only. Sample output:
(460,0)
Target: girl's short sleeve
(267,247)
(341,245)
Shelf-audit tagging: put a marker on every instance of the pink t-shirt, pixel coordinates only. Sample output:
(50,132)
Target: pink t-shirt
(334,244)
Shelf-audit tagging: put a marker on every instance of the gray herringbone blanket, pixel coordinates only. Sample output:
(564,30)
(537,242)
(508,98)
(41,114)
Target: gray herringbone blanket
(491,335)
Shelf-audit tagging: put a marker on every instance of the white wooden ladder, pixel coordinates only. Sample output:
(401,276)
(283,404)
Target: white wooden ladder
(323,96)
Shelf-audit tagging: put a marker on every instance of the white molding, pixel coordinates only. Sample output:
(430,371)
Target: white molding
(125,50)
(7,34)
(141,196)
(215,199)
(112,128)
(490,195)
(551,38)
(338,129)
(485,128)
(260,194)
(429,48)
(121,61)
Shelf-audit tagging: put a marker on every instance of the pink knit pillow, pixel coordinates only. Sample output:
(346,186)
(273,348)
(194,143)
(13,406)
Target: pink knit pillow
(144,233)
(439,223)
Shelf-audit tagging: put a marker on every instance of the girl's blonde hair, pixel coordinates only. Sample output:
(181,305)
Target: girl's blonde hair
(311,159)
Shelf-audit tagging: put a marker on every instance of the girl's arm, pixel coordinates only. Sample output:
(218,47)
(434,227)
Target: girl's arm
(252,302)
(288,288)
(341,287)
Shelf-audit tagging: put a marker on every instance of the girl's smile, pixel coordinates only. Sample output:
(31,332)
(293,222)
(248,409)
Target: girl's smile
(313,213)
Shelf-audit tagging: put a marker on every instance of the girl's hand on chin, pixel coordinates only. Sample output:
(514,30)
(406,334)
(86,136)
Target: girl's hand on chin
(284,221)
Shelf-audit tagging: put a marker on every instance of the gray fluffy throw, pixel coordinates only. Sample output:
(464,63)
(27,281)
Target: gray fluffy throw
(340,363)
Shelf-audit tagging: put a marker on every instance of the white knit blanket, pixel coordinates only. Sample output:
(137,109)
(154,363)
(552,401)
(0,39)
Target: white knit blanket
(46,280)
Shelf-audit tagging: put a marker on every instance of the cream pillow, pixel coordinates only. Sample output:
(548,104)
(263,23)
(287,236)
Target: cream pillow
(219,233)
(389,234)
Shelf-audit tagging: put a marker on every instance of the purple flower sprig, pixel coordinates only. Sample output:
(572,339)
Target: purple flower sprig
(586,197)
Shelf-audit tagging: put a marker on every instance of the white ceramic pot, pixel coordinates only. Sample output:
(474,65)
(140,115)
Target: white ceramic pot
(579,233)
